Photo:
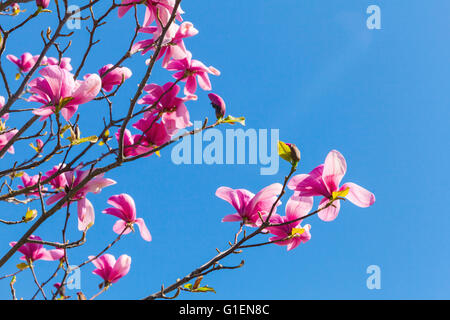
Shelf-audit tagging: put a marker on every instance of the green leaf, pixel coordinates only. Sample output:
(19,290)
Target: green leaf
(63,102)
(64,129)
(18,174)
(22,266)
(196,288)
(30,215)
(284,151)
(204,289)
(92,139)
(233,120)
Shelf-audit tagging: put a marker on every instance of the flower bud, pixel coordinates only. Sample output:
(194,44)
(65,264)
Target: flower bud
(218,104)
(295,152)
(43,3)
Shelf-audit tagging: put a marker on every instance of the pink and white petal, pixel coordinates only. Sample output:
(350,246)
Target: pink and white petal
(121,268)
(55,198)
(86,214)
(237,198)
(125,203)
(264,199)
(334,170)
(280,241)
(119,226)
(232,218)
(330,213)
(52,255)
(145,233)
(87,90)
(191,85)
(295,242)
(295,180)
(68,112)
(43,112)
(204,81)
(115,212)
(358,195)
(298,206)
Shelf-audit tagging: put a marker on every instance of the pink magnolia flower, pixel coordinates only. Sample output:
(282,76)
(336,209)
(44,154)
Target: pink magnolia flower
(2,103)
(34,251)
(324,181)
(86,214)
(29,181)
(154,133)
(134,145)
(113,78)
(175,115)
(248,205)
(60,181)
(173,44)
(15,9)
(218,104)
(39,145)
(147,45)
(4,139)
(189,71)
(109,269)
(125,210)
(64,64)
(43,3)
(25,62)
(57,90)
(292,234)
(156,10)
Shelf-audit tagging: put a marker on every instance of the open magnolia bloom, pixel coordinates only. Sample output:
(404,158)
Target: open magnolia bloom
(114,77)
(172,110)
(125,210)
(25,63)
(250,207)
(4,139)
(292,234)
(2,103)
(324,181)
(159,10)
(34,251)
(71,179)
(191,71)
(59,92)
(109,269)
(173,44)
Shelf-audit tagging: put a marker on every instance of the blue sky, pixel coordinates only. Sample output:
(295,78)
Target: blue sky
(314,71)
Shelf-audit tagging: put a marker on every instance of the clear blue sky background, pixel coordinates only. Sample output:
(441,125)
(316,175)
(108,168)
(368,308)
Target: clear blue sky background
(313,70)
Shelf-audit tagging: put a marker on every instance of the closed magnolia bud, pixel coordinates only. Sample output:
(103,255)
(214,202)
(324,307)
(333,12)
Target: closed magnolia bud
(43,3)
(218,104)
(295,152)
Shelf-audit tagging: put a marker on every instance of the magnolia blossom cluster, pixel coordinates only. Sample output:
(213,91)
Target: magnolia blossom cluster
(323,181)
(58,93)
(166,112)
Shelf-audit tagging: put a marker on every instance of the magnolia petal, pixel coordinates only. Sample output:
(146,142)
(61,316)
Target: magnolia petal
(334,170)
(145,233)
(86,214)
(330,213)
(358,195)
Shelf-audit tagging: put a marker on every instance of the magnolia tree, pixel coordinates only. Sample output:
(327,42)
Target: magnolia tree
(41,108)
